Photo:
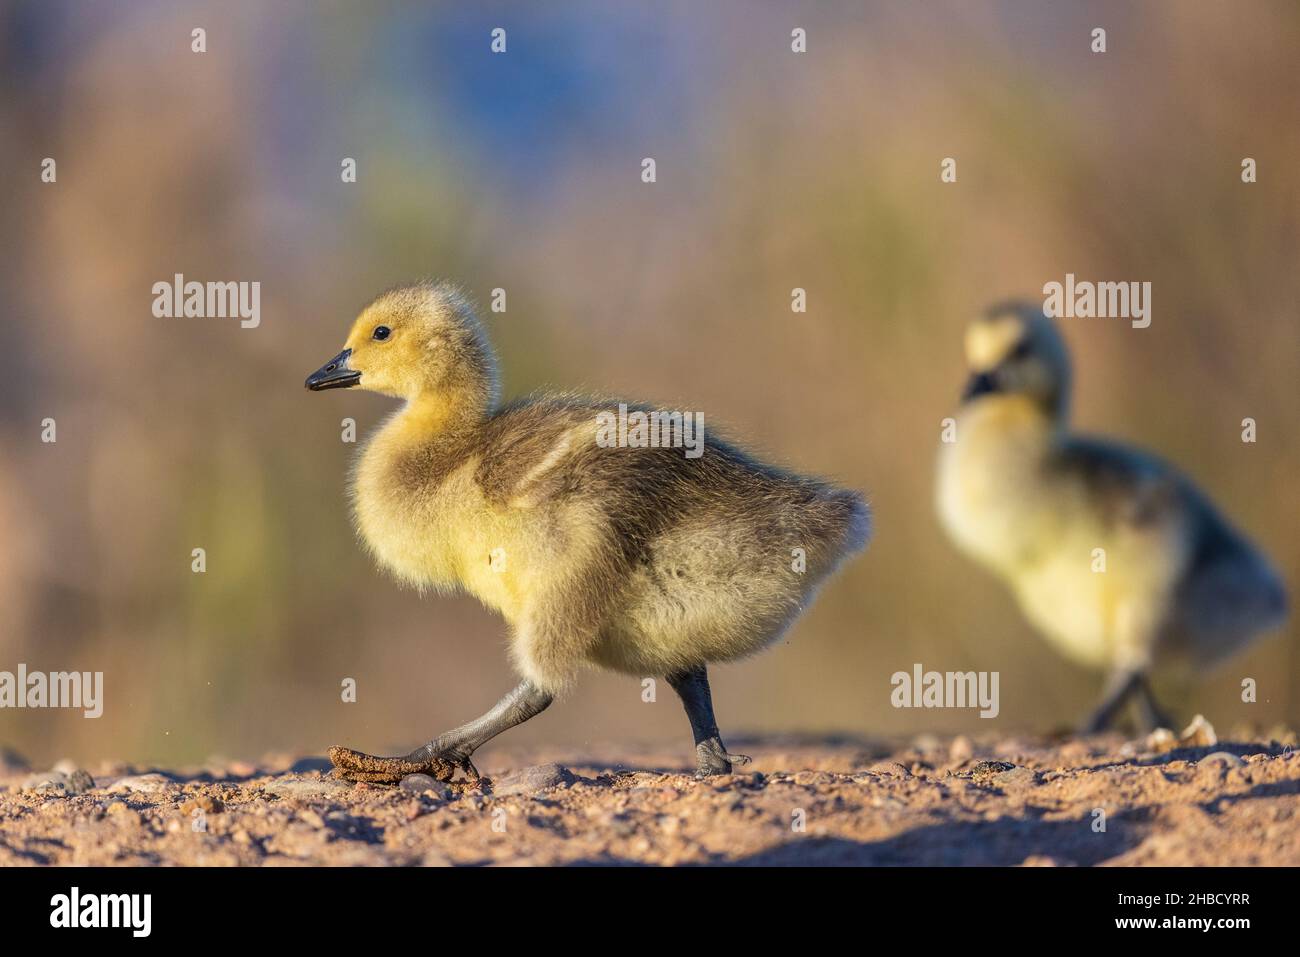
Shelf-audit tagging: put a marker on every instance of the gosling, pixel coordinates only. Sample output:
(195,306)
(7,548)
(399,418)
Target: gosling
(635,559)
(1026,498)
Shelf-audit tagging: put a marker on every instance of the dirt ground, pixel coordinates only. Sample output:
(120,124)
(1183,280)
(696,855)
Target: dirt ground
(1099,800)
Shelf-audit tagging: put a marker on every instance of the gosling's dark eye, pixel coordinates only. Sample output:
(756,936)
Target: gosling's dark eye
(382,332)
(1021,350)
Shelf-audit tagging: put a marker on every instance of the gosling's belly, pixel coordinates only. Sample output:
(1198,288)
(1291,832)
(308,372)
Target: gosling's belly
(702,599)
(1104,606)
(1070,605)
(1046,566)
(491,574)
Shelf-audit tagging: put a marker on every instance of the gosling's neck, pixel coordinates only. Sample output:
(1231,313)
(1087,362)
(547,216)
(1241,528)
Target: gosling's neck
(994,479)
(1016,423)
(422,442)
(431,417)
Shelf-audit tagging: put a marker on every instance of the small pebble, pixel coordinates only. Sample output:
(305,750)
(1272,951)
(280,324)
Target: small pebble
(1225,758)
(48,782)
(961,749)
(204,803)
(1198,734)
(988,769)
(59,782)
(532,780)
(144,783)
(1161,740)
(424,784)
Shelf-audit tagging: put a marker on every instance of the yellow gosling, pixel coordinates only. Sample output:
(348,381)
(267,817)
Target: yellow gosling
(1113,554)
(641,560)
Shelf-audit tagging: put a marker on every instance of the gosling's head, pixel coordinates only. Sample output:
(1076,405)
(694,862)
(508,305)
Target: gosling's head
(1014,349)
(416,341)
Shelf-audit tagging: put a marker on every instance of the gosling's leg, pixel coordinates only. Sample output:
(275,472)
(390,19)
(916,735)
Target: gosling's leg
(1119,687)
(447,752)
(1149,713)
(692,686)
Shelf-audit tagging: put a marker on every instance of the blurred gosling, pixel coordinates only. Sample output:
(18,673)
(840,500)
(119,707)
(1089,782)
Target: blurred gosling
(1029,500)
(639,560)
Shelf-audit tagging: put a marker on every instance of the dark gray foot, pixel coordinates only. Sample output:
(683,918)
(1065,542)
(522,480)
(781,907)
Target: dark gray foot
(713,758)
(1118,689)
(1149,713)
(1122,687)
(1097,722)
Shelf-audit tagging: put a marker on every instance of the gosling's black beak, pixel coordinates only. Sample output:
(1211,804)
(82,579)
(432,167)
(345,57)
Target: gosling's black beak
(334,374)
(982,383)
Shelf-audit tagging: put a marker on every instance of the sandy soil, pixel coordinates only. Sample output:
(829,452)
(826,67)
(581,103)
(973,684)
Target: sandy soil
(997,801)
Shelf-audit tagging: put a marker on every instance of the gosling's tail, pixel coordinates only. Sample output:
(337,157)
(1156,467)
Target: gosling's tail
(1230,595)
(1230,602)
(854,519)
(837,523)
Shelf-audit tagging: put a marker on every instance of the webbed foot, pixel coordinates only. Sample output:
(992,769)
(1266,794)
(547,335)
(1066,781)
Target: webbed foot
(358,766)
(713,758)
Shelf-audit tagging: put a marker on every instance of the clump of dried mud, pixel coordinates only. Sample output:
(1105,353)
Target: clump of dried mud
(1081,801)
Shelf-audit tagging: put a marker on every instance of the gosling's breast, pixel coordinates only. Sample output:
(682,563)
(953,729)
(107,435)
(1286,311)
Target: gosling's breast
(990,487)
(404,523)
(436,530)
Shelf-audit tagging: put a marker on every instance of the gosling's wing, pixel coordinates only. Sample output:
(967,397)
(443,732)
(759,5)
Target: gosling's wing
(544,451)
(532,453)
(1229,595)
(1124,487)
(1225,590)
